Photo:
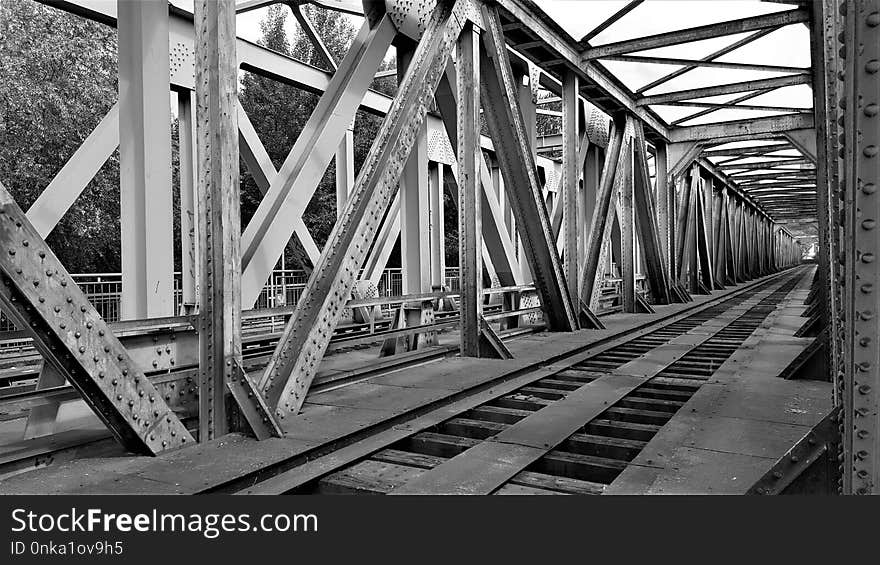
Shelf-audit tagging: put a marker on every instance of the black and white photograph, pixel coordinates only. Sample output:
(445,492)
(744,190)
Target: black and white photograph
(434,247)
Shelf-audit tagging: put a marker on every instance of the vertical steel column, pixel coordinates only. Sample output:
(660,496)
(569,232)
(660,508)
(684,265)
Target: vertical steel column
(220,252)
(569,185)
(469,156)
(437,231)
(220,360)
(626,220)
(589,193)
(293,365)
(861,164)
(414,206)
(665,205)
(528,107)
(145,198)
(189,225)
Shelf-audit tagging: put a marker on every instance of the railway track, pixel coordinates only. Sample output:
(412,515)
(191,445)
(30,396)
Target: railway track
(584,462)
(570,432)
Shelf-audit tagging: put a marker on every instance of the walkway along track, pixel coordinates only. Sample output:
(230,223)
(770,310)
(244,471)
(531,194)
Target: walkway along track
(564,429)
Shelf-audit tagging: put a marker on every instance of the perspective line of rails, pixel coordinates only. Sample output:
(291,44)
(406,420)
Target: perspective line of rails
(408,445)
(568,427)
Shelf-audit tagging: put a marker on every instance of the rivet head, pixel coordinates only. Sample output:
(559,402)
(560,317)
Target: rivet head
(864,389)
(872,66)
(870,151)
(871,110)
(869,224)
(873,19)
(12,252)
(867,257)
(869,188)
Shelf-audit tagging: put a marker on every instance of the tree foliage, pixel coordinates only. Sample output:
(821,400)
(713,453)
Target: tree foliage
(280,111)
(57,80)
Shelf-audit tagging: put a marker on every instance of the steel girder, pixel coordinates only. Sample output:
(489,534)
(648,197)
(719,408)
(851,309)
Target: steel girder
(470,158)
(507,129)
(220,357)
(860,141)
(600,225)
(39,295)
(307,334)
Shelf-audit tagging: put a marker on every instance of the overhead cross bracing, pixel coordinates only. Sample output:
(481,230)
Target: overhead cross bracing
(577,169)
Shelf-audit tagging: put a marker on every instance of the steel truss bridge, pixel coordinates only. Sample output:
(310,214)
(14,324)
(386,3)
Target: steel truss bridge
(633,311)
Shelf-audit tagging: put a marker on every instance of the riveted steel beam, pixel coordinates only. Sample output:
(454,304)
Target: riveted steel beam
(647,220)
(70,334)
(860,392)
(572,164)
(736,130)
(499,249)
(698,33)
(305,338)
(514,150)
(601,222)
(732,88)
(219,318)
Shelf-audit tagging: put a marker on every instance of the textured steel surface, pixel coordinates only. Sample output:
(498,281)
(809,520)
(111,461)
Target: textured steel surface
(293,366)
(72,336)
